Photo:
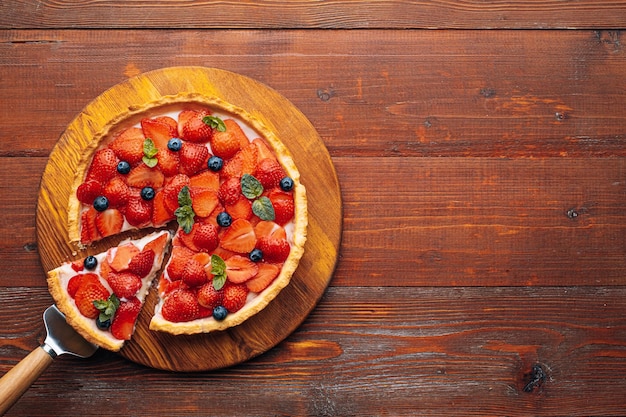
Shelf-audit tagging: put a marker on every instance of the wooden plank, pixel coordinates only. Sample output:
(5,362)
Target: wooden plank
(19,182)
(537,14)
(370,351)
(473,93)
(478,221)
(431,221)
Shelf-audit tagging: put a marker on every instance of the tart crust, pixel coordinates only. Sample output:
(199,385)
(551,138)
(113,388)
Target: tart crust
(131,117)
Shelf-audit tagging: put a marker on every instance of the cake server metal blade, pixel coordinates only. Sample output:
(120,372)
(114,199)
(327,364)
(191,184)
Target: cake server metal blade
(61,339)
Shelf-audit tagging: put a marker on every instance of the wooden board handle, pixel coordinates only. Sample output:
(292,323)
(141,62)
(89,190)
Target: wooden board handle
(15,382)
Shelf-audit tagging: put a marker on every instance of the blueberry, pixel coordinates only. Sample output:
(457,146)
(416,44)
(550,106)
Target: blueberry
(224,219)
(123,167)
(256,255)
(174,144)
(286,184)
(103,325)
(90,262)
(215,163)
(101,203)
(147,193)
(220,313)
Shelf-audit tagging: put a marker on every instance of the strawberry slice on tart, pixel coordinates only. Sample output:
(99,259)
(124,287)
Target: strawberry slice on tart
(101,295)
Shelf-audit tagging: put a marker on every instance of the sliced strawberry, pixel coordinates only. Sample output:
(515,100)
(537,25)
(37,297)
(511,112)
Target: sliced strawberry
(119,257)
(239,237)
(157,245)
(204,201)
(192,128)
(269,173)
(142,263)
(81,280)
(244,162)
(160,130)
(124,284)
(178,260)
(274,250)
(194,274)
(168,162)
(172,189)
(223,253)
(213,216)
(230,191)
(249,158)
(226,144)
(203,258)
(88,191)
(263,151)
(205,237)
(123,323)
(128,146)
(266,274)
(284,207)
(193,158)
(86,295)
(209,297)
(206,179)
(239,269)
(241,209)
(187,238)
(88,229)
(166,286)
(235,296)
(143,176)
(233,168)
(161,214)
(138,211)
(109,222)
(117,192)
(180,305)
(103,166)
(78,265)
(269,228)
(105,268)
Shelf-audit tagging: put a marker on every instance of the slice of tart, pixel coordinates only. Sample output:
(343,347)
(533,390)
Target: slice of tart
(101,295)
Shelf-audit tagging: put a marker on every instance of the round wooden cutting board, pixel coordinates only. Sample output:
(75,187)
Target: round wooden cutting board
(293,304)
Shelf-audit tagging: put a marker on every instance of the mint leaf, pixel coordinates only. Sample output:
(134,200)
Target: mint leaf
(184,197)
(149,153)
(218,269)
(184,213)
(215,123)
(151,162)
(263,208)
(251,188)
(107,307)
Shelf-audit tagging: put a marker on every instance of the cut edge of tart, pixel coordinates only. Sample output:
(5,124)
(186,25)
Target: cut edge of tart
(65,293)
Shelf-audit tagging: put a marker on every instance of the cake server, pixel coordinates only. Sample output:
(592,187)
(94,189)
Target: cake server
(61,338)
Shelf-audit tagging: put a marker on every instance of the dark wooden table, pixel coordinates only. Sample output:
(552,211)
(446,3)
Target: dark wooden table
(481,152)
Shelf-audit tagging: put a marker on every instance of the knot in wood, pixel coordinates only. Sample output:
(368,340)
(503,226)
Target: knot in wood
(535,378)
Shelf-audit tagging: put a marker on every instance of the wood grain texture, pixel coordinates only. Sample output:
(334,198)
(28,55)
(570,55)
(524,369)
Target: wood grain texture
(368,92)
(311,14)
(482,175)
(373,351)
(273,112)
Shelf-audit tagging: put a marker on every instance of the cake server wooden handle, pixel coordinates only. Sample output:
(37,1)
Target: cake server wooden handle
(15,382)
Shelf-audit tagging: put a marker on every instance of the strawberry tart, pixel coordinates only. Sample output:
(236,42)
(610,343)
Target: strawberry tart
(210,176)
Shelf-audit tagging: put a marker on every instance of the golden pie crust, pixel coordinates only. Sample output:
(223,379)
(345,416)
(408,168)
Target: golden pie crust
(165,104)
